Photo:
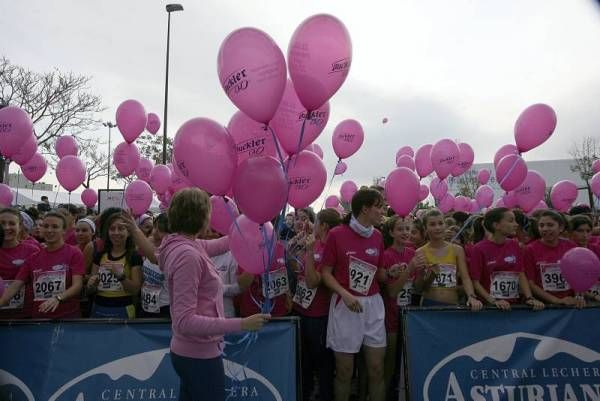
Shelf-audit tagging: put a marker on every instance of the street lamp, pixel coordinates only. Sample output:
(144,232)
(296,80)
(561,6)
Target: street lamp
(170,8)
(110,126)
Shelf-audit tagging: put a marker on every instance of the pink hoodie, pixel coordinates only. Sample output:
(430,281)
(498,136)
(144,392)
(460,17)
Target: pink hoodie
(196,297)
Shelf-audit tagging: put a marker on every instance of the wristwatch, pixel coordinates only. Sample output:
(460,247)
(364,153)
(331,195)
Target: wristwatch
(59,298)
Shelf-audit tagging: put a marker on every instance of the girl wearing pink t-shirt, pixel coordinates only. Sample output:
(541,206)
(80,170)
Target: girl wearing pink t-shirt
(581,233)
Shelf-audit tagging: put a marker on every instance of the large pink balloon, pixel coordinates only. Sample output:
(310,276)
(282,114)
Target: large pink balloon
(511,172)
(534,126)
(70,172)
(15,128)
(289,118)
(144,168)
(6,196)
(319,55)
(405,161)
(596,166)
(307,177)
(505,150)
(484,196)
(563,194)
(423,160)
(138,197)
(581,268)
(248,245)
(465,159)
(475,208)
(251,138)
(531,191)
(347,190)
(402,190)
(222,214)
(462,204)
(483,176)
(340,168)
(595,184)
(153,123)
(316,148)
(423,192)
(89,197)
(540,206)
(510,200)
(131,119)
(405,150)
(332,201)
(444,157)
(160,178)
(446,203)
(66,145)
(260,188)
(126,158)
(348,137)
(35,168)
(252,72)
(26,152)
(438,188)
(205,155)
(178,182)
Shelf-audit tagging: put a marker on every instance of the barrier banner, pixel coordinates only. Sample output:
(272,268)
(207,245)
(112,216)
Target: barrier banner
(88,360)
(521,355)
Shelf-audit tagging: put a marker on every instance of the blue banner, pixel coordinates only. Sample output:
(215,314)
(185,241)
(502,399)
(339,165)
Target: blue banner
(79,361)
(553,355)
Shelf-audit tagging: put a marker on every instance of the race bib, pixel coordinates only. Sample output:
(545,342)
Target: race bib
(595,289)
(446,277)
(552,279)
(278,283)
(150,297)
(18,300)
(304,295)
(504,285)
(361,275)
(108,280)
(405,294)
(48,284)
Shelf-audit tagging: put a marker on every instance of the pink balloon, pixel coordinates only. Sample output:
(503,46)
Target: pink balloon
(531,191)
(316,148)
(126,158)
(178,182)
(475,208)
(510,200)
(595,184)
(26,152)
(307,177)
(500,203)
(423,192)
(205,154)
(446,203)
(319,55)
(252,72)
(484,196)
(223,212)
(348,137)
(405,161)
(402,190)
(66,145)
(347,191)
(35,168)
(423,161)
(289,118)
(138,197)
(541,205)
(260,188)
(144,168)
(153,123)
(340,168)
(581,268)
(332,201)
(160,178)
(89,197)
(462,204)
(534,126)
(444,157)
(596,166)
(131,119)
(405,150)
(563,194)
(505,150)
(438,188)
(248,245)
(511,172)
(483,176)
(15,128)
(6,196)
(251,138)
(465,159)
(70,172)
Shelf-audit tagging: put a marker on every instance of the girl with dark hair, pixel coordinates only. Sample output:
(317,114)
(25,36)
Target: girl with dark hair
(417,233)
(581,232)
(497,264)
(352,268)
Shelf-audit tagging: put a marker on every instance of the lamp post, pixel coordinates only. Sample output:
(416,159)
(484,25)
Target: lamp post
(110,126)
(170,8)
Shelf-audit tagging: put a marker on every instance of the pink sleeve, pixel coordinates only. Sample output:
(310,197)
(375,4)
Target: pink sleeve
(186,274)
(215,247)
(24,273)
(529,263)
(475,264)
(329,257)
(76,263)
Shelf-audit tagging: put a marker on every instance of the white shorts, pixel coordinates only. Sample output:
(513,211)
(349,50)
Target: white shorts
(347,331)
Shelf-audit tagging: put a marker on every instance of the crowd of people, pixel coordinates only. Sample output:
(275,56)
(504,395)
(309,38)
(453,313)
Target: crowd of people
(348,278)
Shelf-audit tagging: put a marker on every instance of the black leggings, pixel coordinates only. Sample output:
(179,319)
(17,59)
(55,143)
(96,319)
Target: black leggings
(199,379)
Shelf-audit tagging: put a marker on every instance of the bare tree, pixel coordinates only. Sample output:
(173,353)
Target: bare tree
(466,184)
(150,147)
(584,154)
(57,102)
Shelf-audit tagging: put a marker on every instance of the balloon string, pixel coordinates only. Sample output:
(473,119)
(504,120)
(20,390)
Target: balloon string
(277,148)
(329,187)
(56,196)
(302,133)
(229,209)
(69,197)
(465,225)
(123,197)
(267,263)
(510,170)
(18,184)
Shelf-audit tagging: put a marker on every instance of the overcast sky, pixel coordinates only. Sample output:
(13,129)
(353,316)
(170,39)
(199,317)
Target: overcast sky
(435,69)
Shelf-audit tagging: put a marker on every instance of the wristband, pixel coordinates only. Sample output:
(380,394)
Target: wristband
(59,298)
